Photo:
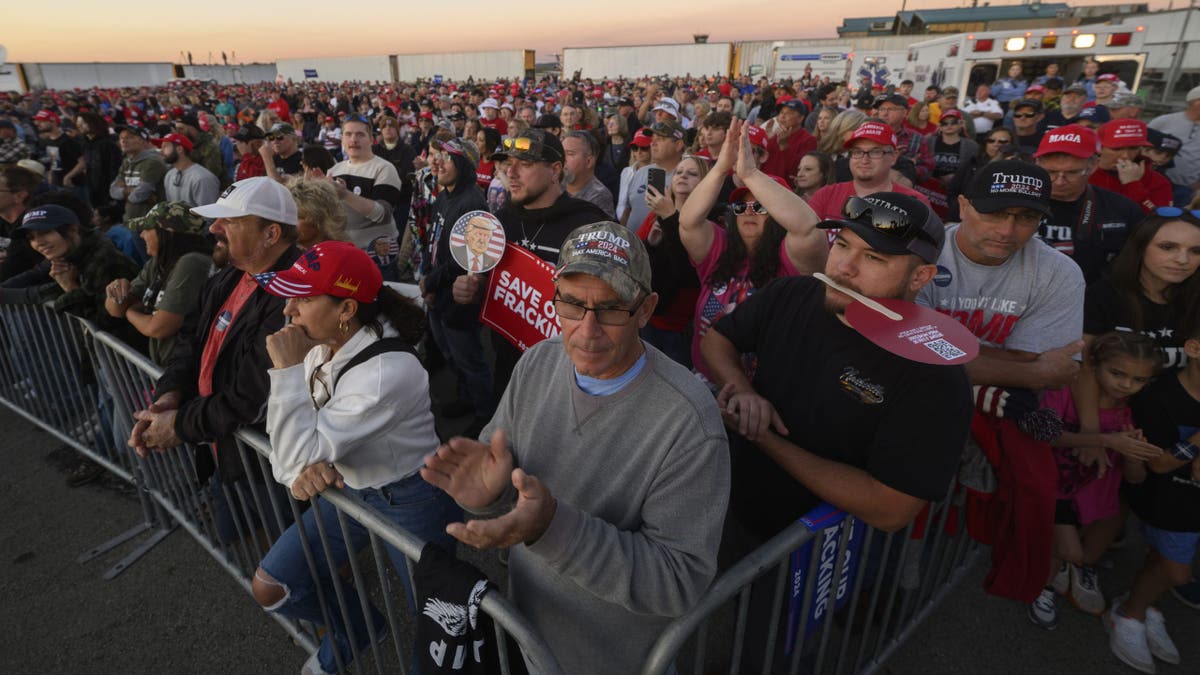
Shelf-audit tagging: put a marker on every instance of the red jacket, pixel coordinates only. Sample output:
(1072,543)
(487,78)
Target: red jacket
(784,162)
(1152,191)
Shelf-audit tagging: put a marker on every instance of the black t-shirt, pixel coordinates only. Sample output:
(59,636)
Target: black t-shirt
(1054,119)
(1029,144)
(1104,310)
(1110,219)
(842,398)
(289,166)
(64,153)
(1167,414)
(945,157)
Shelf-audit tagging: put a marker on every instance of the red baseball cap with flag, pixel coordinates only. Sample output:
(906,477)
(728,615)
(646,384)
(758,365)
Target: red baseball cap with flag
(1072,139)
(1127,133)
(738,193)
(873,131)
(336,268)
(757,136)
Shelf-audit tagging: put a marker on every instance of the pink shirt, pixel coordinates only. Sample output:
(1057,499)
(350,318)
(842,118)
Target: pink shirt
(716,301)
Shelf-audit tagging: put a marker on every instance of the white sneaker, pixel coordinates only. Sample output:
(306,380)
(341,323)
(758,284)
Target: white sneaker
(1042,612)
(313,666)
(1127,640)
(1159,642)
(1061,583)
(1085,590)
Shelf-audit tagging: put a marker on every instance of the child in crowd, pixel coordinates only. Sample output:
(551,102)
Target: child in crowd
(1168,504)
(1088,515)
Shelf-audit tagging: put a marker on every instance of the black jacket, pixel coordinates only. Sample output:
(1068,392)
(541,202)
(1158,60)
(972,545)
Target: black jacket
(447,209)
(240,382)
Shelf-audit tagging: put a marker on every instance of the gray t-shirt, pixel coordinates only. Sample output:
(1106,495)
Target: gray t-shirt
(197,186)
(1033,302)
(635,201)
(1187,161)
(596,193)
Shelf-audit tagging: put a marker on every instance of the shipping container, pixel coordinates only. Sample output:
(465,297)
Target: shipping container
(336,69)
(509,64)
(656,60)
(249,73)
(103,75)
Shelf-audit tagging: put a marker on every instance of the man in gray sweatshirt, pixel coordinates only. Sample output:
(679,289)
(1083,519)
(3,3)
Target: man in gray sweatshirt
(139,181)
(613,525)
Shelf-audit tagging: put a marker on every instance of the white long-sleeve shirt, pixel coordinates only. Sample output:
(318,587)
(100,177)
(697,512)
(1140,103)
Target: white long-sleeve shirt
(377,427)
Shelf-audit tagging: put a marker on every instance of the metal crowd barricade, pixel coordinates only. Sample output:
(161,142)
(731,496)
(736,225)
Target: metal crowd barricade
(842,599)
(82,386)
(826,595)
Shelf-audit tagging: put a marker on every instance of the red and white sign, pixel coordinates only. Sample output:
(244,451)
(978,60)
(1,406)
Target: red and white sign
(919,334)
(519,303)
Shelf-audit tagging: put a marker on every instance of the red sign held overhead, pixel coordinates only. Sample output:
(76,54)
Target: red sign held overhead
(519,303)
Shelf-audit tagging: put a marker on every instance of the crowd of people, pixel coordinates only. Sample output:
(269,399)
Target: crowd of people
(248,238)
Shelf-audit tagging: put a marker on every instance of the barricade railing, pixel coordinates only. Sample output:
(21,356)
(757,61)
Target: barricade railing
(843,597)
(82,386)
(829,594)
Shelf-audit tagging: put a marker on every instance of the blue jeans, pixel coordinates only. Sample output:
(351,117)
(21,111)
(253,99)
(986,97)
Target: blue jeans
(411,503)
(463,349)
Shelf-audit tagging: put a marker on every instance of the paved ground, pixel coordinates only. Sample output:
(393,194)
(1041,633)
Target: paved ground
(177,611)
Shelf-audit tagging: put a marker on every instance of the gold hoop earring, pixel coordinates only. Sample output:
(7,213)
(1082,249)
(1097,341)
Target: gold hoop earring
(344,328)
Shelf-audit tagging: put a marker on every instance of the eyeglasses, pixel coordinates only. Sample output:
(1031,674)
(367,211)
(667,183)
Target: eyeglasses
(873,153)
(740,208)
(1068,175)
(883,218)
(1175,212)
(605,316)
(1024,116)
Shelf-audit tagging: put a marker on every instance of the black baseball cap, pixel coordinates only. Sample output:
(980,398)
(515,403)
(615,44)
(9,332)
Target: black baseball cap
(548,121)
(250,132)
(893,224)
(1006,184)
(1028,103)
(894,99)
(534,145)
(1163,141)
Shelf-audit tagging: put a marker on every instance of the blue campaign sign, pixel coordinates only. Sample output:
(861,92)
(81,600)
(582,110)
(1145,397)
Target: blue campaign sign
(826,596)
(310,73)
(437,79)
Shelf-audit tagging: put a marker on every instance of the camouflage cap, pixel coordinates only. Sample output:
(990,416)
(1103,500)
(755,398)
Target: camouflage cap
(174,216)
(610,252)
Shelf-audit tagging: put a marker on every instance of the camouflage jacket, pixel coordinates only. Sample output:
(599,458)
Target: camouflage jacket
(207,153)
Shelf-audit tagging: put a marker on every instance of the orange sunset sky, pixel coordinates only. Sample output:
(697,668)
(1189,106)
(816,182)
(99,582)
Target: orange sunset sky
(86,30)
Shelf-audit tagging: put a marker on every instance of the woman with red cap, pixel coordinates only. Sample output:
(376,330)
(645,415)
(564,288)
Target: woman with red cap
(349,407)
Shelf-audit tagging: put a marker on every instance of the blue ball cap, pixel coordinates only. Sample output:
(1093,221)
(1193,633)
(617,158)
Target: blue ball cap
(48,217)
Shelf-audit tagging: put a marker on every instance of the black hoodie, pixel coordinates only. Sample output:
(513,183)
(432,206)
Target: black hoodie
(447,209)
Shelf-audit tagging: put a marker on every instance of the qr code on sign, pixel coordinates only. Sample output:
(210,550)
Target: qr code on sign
(945,350)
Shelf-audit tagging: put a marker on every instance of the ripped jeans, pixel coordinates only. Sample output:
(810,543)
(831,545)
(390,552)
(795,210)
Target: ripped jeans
(411,503)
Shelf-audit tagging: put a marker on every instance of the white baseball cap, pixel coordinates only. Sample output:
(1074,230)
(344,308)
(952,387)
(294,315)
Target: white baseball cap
(669,106)
(259,196)
(489,103)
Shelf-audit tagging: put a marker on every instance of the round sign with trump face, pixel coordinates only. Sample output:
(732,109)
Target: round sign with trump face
(477,241)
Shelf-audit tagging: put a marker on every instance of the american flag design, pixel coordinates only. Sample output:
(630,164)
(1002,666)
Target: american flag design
(458,238)
(281,287)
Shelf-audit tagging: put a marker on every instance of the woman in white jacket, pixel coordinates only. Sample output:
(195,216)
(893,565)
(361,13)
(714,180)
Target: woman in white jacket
(349,407)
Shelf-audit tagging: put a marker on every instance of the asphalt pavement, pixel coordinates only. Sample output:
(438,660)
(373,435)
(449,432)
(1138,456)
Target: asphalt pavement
(177,611)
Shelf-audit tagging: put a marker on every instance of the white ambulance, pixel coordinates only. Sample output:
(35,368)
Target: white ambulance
(967,60)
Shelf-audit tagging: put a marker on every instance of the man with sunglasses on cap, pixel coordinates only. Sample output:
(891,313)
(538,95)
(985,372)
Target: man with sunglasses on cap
(281,152)
(667,147)
(832,441)
(1024,301)
(1088,223)
(216,380)
(538,216)
(610,533)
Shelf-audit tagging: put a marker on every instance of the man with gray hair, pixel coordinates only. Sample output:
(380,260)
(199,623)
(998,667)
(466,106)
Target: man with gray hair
(579,171)
(605,546)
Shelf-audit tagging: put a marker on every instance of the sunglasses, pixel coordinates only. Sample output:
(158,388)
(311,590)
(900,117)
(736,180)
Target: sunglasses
(883,218)
(518,144)
(999,140)
(1024,116)
(951,121)
(1175,212)
(740,208)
